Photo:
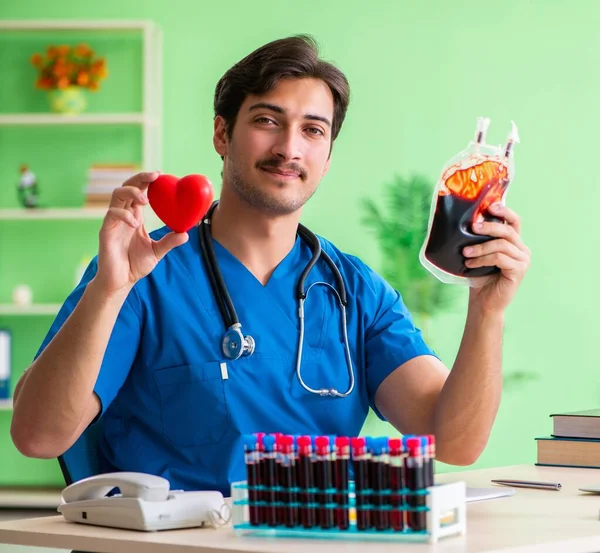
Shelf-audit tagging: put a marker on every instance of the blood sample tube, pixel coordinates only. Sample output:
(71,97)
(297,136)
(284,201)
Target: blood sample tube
(305,479)
(280,489)
(415,481)
(251,456)
(360,462)
(342,460)
(427,461)
(397,484)
(324,482)
(287,483)
(430,473)
(379,469)
(269,478)
(261,494)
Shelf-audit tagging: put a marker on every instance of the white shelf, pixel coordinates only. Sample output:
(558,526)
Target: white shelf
(33,309)
(33,119)
(54,213)
(6,404)
(75,25)
(151,221)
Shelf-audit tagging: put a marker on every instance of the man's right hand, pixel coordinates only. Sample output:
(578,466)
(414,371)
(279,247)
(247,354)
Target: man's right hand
(127,253)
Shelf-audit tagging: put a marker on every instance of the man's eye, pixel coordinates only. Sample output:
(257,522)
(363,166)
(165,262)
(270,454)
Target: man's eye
(315,130)
(264,120)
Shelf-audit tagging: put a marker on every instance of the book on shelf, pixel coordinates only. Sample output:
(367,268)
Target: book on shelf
(5,361)
(107,175)
(96,204)
(113,167)
(578,424)
(568,452)
(103,178)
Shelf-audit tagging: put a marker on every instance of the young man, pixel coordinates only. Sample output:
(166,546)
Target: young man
(138,346)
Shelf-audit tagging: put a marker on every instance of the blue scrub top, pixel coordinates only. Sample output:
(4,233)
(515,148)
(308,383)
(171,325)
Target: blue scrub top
(174,406)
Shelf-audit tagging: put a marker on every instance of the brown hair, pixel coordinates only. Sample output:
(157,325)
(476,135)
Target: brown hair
(293,57)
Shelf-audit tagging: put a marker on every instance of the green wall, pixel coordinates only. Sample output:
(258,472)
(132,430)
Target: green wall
(420,74)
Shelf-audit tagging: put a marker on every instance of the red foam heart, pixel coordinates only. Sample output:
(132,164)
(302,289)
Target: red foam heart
(180,203)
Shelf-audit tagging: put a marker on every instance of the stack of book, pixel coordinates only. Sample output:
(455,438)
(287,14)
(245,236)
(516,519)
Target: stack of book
(103,179)
(575,441)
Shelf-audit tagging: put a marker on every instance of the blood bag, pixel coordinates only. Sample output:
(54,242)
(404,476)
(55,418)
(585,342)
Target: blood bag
(470,183)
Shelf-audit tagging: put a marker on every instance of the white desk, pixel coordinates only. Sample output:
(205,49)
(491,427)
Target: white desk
(532,521)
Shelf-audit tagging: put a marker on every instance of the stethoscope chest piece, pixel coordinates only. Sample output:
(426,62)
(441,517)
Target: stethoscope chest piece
(235,344)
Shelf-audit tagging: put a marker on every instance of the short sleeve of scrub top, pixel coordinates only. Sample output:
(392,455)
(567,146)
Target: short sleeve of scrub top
(122,346)
(392,339)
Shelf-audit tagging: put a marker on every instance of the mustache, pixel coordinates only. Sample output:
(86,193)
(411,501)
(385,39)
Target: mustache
(277,164)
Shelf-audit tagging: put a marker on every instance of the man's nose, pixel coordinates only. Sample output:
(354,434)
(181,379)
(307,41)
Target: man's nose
(288,145)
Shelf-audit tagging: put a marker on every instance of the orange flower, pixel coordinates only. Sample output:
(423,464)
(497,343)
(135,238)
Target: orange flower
(43,83)
(65,65)
(83,78)
(83,50)
(37,60)
(60,70)
(63,82)
(98,65)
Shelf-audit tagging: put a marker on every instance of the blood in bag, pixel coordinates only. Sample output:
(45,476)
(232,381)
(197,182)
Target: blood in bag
(469,185)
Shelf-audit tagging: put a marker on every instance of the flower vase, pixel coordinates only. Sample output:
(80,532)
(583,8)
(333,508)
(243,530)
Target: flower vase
(68,101)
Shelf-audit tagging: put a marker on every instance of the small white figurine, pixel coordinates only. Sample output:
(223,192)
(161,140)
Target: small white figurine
(28,190)
(22,295)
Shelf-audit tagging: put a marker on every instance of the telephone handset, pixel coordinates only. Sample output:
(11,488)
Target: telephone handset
(131,484)
(145,502)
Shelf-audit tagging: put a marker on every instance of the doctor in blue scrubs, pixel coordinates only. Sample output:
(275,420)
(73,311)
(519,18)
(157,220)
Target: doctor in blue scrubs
(178,344)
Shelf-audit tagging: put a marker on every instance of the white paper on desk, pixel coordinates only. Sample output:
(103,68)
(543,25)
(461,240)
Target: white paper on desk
(483,494)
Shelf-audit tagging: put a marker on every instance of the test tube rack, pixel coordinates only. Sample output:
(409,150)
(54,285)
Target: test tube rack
(445,508)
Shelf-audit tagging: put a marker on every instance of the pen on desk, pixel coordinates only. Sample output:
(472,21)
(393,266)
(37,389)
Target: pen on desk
(529,484)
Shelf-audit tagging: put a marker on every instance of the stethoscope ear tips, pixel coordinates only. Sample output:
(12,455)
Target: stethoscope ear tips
(235,344)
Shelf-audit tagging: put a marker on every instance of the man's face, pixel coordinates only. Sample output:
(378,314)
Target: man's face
(280,146)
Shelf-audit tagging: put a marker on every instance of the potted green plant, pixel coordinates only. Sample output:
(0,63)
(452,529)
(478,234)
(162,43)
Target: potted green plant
(400,226)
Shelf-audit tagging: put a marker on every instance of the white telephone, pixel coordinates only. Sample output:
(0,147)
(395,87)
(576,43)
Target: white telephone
(145,503)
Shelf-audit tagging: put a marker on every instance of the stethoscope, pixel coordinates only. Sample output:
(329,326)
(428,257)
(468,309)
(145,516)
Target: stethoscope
(234,344)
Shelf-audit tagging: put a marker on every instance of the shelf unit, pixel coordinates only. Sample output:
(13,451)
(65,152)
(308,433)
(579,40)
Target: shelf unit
(38,119)
(53,213)
(151,221)
(151,116)
(33,309)
(149,120)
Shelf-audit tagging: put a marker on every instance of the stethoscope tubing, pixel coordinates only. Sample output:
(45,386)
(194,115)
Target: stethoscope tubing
(245,345)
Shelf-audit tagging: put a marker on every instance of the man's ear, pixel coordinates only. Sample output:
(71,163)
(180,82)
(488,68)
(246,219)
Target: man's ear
(220,140)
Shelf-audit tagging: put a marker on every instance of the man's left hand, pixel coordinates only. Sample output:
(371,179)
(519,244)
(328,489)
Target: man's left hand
(507,252)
